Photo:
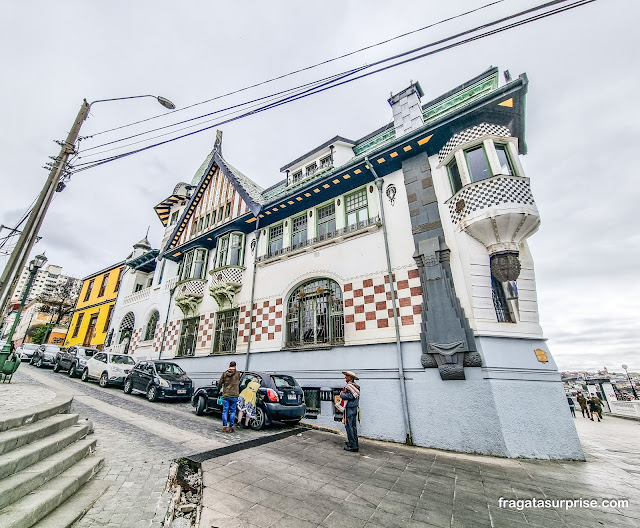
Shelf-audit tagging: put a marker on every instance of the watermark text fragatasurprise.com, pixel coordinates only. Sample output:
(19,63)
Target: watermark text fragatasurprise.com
(563,504)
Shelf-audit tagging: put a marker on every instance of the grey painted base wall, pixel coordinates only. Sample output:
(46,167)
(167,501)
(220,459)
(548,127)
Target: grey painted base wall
(514,406)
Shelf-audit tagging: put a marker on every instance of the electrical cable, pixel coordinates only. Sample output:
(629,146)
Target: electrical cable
(346,74)
(332,77)
(303,69)
(576,4)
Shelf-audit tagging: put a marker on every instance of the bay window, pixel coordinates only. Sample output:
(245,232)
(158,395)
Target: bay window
(230,250)
(194,264)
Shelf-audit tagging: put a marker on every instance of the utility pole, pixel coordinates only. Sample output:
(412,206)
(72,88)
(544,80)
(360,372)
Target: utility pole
(30,232)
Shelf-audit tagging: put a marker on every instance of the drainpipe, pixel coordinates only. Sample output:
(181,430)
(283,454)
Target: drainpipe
(166,320)
(403,387)
(253,288)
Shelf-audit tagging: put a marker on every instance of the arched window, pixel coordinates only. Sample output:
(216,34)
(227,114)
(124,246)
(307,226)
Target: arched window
(126,329)
(315,314)
(151,325)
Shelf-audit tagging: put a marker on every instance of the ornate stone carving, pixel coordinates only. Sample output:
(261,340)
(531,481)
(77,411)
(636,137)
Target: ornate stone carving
(505,266)
(189,305)
(223,292)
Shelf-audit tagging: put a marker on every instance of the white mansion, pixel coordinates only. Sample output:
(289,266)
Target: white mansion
(402,256)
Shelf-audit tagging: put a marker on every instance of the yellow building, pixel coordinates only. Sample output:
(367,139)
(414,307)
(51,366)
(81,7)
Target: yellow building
(92,315)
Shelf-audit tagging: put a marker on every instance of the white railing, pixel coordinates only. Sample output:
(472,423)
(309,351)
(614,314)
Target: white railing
(169,284)
(135,297)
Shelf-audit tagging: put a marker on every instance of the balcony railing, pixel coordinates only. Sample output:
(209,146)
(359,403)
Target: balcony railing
(170,284)
(191,287)
(338,233)
(136,297)
(231,275)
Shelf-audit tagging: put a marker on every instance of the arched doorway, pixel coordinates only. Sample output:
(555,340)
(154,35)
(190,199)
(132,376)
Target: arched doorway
(126,330)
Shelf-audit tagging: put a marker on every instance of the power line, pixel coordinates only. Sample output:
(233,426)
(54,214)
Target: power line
(354,52)
(313,91)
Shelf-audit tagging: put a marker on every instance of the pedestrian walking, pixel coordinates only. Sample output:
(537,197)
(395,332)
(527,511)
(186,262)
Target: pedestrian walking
(594,408)
(247,402)
(229,384)
(582,401)
(351,394)
(572,405)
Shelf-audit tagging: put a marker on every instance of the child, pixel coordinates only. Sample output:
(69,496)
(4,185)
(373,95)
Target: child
(247,402)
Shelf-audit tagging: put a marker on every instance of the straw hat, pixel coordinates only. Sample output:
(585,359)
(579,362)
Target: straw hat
(350,373)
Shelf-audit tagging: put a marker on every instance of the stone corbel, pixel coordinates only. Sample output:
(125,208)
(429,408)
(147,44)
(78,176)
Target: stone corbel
(223,292)
(189,305)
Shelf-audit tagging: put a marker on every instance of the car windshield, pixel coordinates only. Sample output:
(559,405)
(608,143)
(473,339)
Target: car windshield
(51,348)
(88,352)
(284,382)
(168,368)
(30,346)
(122,360)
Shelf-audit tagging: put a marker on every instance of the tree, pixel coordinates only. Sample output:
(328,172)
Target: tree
(61,303)
(41,333)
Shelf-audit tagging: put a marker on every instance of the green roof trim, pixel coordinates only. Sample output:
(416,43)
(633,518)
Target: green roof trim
(461,98)
(378,139)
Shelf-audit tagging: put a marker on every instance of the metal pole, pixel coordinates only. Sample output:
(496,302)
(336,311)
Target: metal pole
(30,233)
(32,274)
(253,286)
(633,389)
(403,387)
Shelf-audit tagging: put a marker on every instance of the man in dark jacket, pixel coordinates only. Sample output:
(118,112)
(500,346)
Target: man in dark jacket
(229,384)
(351,394)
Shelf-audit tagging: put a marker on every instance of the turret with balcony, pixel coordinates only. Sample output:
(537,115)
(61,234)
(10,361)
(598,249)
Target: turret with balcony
(492,200)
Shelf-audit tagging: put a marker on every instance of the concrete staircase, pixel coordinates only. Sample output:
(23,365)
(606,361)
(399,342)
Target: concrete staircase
(47,467)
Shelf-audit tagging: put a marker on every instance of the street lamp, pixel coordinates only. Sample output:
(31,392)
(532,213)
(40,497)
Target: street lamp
(635,395)
(29,234)
(34,267)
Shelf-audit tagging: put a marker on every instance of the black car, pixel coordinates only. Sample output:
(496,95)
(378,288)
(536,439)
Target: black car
(45,356)
(73,359)
(280,398)
(159,379)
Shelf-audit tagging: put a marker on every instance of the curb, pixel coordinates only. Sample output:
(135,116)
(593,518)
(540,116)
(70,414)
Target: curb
(59,405)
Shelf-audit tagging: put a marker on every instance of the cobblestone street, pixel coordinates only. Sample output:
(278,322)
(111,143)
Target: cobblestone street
(138,440)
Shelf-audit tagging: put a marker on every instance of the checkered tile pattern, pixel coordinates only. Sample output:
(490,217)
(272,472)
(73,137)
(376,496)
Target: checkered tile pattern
(267,321)
(486,193)
(475,132)
(135,339)
(367,302)
(172,335)
(157,337)
(206,330)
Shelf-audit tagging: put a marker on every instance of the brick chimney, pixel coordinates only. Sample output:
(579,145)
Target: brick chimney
(407,113)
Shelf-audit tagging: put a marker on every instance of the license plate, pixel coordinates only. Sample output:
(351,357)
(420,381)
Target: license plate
(292,397)
(182,391)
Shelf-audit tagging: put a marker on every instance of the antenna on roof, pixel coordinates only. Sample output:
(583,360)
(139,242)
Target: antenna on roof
(507,76)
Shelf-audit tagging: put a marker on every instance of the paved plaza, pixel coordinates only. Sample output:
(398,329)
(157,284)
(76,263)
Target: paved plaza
(308,480)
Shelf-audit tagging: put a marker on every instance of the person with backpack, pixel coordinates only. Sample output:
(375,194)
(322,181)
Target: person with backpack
(229,386)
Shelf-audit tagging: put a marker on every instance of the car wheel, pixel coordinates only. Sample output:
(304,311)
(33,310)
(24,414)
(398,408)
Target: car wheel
(257,423)
(104,380)
(85,375)
(72,370)
(201,405)
(152,393)
(56,367)
(128,386)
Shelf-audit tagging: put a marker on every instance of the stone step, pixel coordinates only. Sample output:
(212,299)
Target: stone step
(14,487)
(39,503)
(76,506)
(20,436)
(59,405)
(25,456)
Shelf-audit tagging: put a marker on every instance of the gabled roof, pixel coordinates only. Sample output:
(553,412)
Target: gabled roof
(248,190)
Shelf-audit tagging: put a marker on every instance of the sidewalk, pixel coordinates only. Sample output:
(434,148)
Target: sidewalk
(20,395)
(309,481)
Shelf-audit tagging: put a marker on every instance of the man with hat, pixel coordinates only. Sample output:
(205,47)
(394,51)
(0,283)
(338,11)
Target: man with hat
(351,394)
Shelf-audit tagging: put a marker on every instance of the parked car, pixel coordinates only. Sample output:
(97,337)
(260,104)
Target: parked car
(280,399)
(159,379)
(107,368)
(26,350)
(73,359)
(45,355)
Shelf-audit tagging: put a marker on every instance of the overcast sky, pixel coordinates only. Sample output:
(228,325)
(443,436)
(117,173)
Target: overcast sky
(582,123)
